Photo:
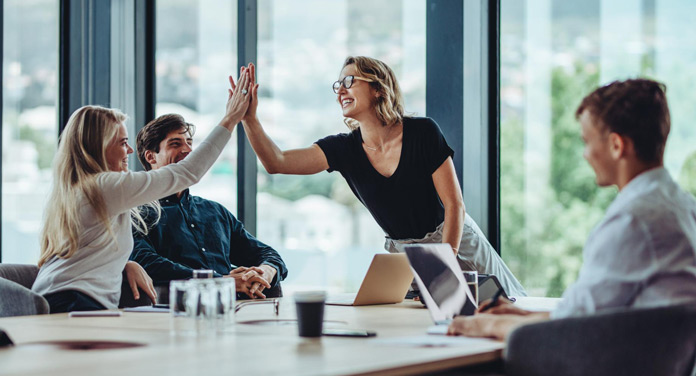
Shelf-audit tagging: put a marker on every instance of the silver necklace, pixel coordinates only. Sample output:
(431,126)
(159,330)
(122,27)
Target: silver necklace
(375,149)
(369,147)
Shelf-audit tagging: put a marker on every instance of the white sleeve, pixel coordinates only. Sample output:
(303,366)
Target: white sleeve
(125,190)
(618,259)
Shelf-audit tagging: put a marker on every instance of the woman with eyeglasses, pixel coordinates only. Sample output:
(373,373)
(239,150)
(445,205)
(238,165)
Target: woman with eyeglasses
(399,167)
(86,238)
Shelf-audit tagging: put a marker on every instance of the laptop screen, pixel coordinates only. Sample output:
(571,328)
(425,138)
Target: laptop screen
(440,280)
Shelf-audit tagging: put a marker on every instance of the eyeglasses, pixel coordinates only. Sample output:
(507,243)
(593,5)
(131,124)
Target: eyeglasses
(347,82)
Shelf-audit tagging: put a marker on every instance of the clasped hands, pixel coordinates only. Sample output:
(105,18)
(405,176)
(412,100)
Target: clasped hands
(253,280)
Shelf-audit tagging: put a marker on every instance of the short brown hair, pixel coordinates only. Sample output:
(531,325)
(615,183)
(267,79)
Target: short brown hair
(152,134)
(389,106)
(635,108)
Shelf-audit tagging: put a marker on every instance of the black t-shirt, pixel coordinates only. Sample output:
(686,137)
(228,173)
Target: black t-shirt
(406,204)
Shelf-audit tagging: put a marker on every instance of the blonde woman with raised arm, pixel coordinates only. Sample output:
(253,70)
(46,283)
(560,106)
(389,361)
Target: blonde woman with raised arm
(399,167)
(86,237)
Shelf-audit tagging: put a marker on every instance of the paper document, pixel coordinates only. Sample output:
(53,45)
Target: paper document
(438,329)
(104,313)
(146,309)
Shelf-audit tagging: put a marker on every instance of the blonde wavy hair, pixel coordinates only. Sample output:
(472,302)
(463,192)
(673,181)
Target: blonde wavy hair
(80,158)
(389,105)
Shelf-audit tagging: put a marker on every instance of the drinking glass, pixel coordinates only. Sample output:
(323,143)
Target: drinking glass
(201,306)
(471,278)
(202,274)
(183,307)
(226,296)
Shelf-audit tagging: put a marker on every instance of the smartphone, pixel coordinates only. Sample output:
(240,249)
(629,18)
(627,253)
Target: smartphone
(349,333)
(5,340)
(488,285)
(104,313)
(166,306)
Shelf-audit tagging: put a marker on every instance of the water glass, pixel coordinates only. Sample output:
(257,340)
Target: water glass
(183,307)
(201,306)
(471,278)
(202,274)
(226,300)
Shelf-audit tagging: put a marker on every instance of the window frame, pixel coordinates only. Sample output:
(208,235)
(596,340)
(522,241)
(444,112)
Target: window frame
(85,77)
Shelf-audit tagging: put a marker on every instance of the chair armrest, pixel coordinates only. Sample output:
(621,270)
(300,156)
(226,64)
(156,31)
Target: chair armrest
(23,274)
(17,300)
(655,341)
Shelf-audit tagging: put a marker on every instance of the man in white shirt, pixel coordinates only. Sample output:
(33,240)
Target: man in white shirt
(643,253)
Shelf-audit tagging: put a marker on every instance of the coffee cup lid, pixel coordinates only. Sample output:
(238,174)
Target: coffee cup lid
(310,296)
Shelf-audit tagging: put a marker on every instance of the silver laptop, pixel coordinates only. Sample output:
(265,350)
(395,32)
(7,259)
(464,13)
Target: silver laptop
(387,280)
(439,278)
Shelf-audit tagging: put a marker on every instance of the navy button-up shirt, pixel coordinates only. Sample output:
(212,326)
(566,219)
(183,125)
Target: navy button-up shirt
(195,233)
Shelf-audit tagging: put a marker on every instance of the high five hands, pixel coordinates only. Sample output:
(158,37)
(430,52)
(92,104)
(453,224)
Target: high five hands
(252,91)
(237,100)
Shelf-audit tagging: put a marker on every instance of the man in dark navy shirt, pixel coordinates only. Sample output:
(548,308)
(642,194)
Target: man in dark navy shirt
(195,233)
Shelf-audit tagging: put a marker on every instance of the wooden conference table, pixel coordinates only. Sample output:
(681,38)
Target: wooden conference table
(271,348)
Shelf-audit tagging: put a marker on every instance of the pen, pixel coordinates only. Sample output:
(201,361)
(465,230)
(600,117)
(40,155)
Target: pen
(494,300)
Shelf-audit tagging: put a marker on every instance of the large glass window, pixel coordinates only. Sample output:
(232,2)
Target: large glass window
(554,52)
(29,122)
(326,237)
(196,50)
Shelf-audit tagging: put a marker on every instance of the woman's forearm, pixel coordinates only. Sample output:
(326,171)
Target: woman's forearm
(268,152)
(453,226)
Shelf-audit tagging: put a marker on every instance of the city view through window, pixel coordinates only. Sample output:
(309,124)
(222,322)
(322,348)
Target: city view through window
(326,237)
(29,122)
(553,53)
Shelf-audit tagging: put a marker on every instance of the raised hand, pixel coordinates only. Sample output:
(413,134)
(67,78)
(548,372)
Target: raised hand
(254,102)
(237,100)
(253,93)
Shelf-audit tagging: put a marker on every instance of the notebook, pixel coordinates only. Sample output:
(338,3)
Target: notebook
(387,280)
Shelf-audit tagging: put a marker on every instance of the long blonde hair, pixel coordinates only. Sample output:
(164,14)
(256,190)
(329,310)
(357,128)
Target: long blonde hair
(81,156)
(389,105)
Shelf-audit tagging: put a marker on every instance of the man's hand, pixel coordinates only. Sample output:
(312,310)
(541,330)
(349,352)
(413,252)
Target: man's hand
(472,326)
(484,325)
(492,326)
(268,273)
(502,307)
(245,278)
(138,278)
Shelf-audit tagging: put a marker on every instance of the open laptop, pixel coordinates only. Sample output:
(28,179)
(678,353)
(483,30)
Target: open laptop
(439,278)
(387,280)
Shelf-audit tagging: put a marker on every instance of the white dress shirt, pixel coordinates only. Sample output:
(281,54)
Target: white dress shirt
(642,254)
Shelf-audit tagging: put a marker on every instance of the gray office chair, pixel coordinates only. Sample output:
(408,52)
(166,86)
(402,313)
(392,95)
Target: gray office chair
(16,297)
(655,341)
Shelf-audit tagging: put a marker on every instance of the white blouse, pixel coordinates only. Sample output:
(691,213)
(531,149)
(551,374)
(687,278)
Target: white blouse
(96,266)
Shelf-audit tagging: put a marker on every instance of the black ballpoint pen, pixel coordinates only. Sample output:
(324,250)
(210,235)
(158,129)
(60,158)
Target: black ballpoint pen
(494,300)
